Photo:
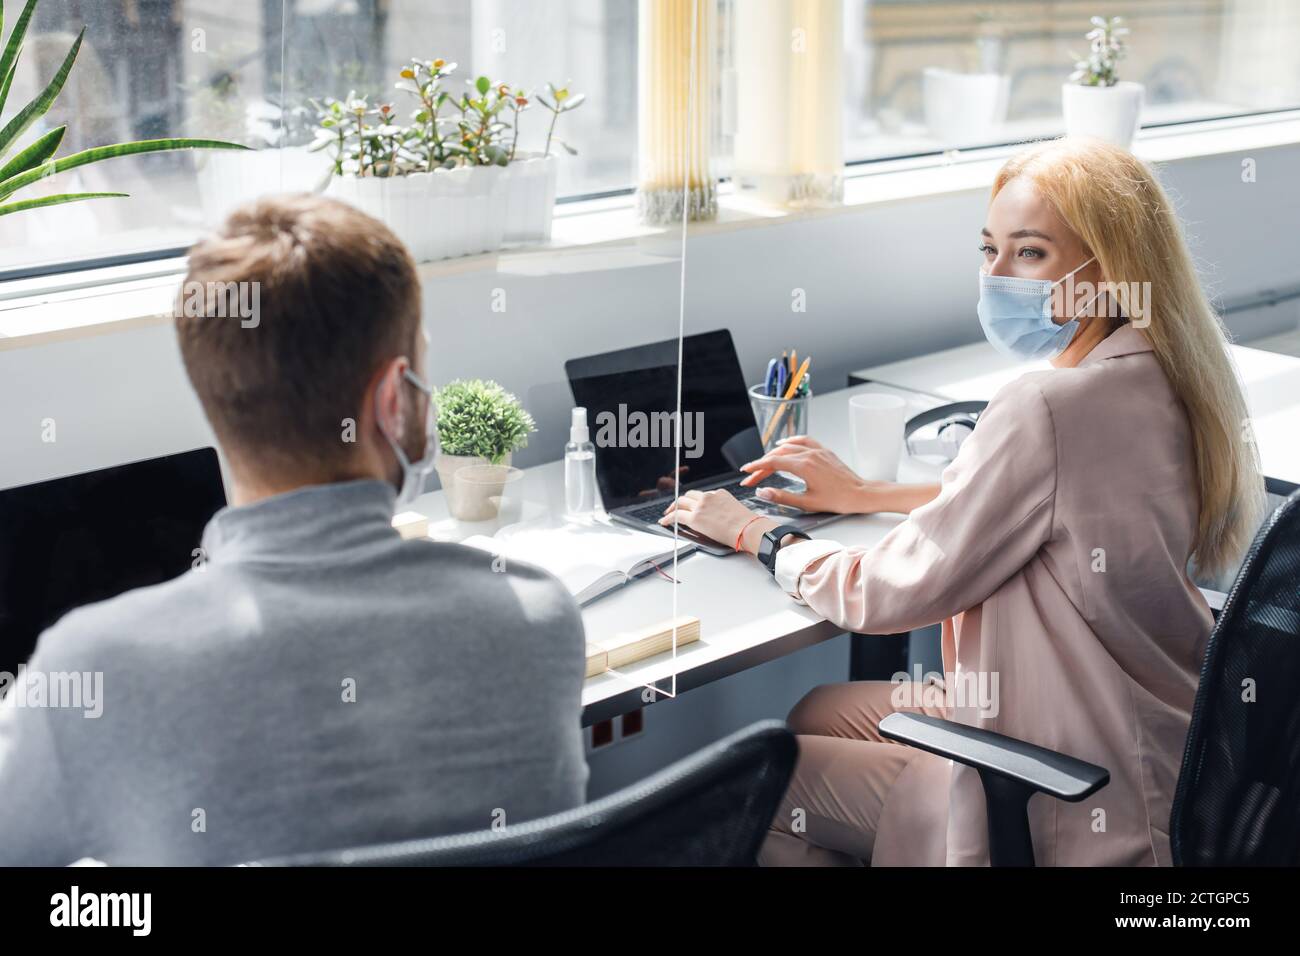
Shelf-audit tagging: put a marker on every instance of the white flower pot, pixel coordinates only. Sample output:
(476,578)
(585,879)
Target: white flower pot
(477,501)
(228,178)
(962,109)
(1110,113)
(438,215)
(530,203)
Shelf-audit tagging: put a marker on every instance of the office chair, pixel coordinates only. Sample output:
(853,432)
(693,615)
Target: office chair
(1238,796)
(1239,787)
(710,809)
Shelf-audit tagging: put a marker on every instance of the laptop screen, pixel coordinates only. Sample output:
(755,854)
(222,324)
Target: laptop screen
(85,538)
(631,398)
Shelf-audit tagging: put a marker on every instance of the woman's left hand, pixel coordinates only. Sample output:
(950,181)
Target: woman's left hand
(714,514)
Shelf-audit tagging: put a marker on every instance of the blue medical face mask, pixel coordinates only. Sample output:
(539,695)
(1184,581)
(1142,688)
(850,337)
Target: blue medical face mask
(1017,315)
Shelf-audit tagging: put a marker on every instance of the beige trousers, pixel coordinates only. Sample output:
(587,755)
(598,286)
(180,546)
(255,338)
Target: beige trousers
(830,812)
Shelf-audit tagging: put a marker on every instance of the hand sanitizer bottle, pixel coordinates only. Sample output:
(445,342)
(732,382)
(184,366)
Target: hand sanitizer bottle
(579,469)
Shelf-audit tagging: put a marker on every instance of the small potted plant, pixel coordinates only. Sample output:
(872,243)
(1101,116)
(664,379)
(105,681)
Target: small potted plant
(479,423)
(1094,100)
(968,108)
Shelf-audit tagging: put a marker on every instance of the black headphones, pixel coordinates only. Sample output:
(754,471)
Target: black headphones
(956,421)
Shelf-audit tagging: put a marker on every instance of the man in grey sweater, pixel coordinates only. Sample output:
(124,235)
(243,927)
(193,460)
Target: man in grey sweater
(315,682)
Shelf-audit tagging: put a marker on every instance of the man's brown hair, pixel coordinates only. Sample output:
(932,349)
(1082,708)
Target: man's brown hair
(336,295)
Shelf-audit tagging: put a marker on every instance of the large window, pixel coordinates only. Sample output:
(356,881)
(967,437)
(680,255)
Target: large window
(927,75)
(245,70)
(917,77)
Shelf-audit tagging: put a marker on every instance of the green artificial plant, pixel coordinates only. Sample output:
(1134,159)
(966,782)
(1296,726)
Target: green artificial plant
(480,418)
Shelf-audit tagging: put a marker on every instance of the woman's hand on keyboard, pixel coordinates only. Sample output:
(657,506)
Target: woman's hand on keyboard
(831,484)
(714,514)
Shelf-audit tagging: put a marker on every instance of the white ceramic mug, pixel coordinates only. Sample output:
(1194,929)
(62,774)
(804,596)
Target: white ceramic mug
(876,422)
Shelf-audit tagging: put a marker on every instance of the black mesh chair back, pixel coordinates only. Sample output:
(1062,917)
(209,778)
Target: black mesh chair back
(1238,796)
(711,809)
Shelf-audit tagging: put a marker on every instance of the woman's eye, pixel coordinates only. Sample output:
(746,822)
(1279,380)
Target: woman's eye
(1029,252)
(987,249)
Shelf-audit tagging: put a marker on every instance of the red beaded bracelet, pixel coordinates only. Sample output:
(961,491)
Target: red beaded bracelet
(743,529)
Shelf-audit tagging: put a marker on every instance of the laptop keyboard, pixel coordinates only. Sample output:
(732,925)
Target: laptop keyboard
(745,495)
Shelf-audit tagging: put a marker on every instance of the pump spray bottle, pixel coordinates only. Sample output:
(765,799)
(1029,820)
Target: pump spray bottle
(579,469)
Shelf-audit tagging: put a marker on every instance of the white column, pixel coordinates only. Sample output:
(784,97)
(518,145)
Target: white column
(790,80)
(675,110)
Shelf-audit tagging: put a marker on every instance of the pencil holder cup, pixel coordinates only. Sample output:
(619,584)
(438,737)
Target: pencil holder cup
(778,418)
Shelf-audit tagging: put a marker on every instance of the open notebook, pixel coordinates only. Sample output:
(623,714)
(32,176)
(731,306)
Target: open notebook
(590,559)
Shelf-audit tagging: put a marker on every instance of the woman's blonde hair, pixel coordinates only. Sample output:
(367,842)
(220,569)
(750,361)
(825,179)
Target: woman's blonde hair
(1114,203)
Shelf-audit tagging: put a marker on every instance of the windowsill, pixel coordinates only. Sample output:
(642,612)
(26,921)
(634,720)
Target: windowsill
(596,234)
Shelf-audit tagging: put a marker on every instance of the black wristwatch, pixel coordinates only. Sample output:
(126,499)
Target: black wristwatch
(771,544)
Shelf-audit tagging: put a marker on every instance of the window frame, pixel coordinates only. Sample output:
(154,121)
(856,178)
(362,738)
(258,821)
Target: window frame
(928,159)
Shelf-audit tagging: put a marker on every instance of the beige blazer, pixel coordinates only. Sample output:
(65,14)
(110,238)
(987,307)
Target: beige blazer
(1055,557)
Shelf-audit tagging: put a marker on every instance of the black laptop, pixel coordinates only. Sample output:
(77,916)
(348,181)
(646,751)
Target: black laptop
(631,396)
(89,537)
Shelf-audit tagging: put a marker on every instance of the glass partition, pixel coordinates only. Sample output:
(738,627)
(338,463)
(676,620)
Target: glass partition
(463,127)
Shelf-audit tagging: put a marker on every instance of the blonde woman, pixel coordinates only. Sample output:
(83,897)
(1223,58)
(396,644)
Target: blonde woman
(1055,552)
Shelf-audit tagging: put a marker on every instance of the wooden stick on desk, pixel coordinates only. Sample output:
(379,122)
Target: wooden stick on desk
(632,646)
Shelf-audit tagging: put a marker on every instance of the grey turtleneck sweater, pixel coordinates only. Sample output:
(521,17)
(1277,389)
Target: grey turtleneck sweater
(315,683)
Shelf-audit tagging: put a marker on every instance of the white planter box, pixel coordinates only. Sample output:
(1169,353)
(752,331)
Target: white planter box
(530,203)
(228,179)
(962,109)
(438,215)
(1110,113)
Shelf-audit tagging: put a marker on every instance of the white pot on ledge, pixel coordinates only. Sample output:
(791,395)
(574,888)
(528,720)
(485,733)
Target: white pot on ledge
(438,215)
(1109,113)
(530,197)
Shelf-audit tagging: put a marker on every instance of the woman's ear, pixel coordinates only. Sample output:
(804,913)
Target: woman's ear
(1096,264)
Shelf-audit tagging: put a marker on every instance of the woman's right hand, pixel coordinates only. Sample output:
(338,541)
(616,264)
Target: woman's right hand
(830,484)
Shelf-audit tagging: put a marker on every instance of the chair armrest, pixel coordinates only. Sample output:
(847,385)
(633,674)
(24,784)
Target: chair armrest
(1033,767)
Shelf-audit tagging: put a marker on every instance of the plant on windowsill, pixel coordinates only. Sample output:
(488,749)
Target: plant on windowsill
(968,108)
(531,174)
(479,424)
(1094,100)
(221,104)
(453,180)
(37,162)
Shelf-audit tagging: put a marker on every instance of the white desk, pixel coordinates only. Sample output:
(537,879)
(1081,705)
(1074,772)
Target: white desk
(745,618)
(976,372)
